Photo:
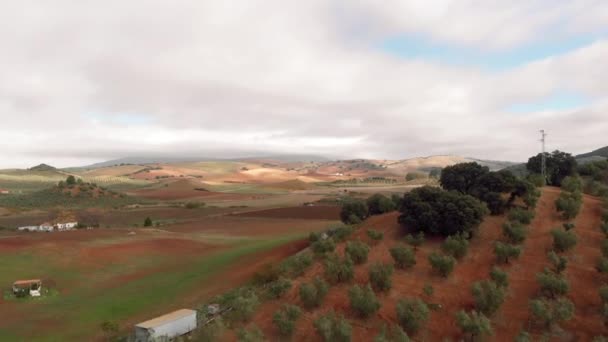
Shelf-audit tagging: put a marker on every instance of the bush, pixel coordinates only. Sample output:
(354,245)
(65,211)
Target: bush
(266,274)
(505,252)
(562,240)
(254,334)
(212,331)
(428,289)
(549,312)
(148,222)
(357,251)
(353,212)
(285,319)
(568,226)
(572,184)
(602,265)
(569,204)
(531,198)
(558,262)
(333,328)
(375,235)
(403,256)
(456,246)
(314,237)
(436,211)
(443,264)
(244,306)
(313,294)
(418,239)
(363,300)
(339,271)
(341,233)
(379,204)
(552,285)
(278,288)
(296,265)
(500,277)
(521,215)
(474,324)
(396,334)
(322,247)
(488,296)
(604,247)
(412,314)
(523,336)
(514,232)
(380,276)
(194,205)
(604,293)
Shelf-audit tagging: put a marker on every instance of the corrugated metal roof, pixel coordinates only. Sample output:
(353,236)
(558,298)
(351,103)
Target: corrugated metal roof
(175,315)
(27,282)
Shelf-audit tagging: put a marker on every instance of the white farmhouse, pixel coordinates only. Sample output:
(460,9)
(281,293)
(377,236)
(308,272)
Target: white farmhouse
(46,227)
(66,226)
(29,228)
(169,326)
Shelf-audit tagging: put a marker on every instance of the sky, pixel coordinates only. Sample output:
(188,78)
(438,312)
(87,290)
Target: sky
(86,81)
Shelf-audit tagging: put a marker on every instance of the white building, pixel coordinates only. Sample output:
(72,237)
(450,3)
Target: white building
(66,226)
(168,326)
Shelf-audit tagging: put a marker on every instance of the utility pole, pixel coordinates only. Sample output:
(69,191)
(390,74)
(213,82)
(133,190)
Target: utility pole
(543,166)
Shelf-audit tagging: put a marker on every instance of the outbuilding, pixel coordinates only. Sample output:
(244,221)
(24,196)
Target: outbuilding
(30,286)
(171,325)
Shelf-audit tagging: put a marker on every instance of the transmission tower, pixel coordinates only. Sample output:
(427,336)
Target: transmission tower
(543,166)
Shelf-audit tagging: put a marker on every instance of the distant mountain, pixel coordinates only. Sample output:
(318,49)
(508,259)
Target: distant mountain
(42,167)
(600,152)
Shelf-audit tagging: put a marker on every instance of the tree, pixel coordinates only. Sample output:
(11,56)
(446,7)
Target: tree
(375,235)
(333,328)
(462,177)
(418,239)
(558,166)
(253,334)
(428,290)
(443,264)
(515,232)
(558,262)
(363,300)
(412,314)
(602,265)
(500,277)
(379,204)
(380,276)
(403,256)
(244,306)
(357,251)
(322,247)
(71,180)
(456,245)
(474,324)
(436,211)
(505,252)
(277,288)
(396,334)
(339,271)
(549,312)
(604,247)
(523,336)
(148,222)
(521,215)
(312,294)
(353,212)
(572,184)
(562,240)
(488,296)
(569,204)
(552,285)
(285,319)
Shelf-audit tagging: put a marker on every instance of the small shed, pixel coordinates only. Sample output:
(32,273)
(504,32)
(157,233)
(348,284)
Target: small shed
(171,325)
(31,286)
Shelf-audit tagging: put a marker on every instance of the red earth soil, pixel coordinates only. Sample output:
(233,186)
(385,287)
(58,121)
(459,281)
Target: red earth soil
(310,213)
(454,293)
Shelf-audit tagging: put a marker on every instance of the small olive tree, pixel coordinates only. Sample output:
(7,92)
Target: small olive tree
(488,296)
(563,240)
(474,324)
(443,264)
(357,251)
(412,314)
(505,252)
(403,256)
(380,276)
(363,300)
(456,245)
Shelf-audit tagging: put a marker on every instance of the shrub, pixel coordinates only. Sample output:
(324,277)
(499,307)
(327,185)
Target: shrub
(428,289)
(562,240)
(488,296)
(572,184)
(523,336)
(379,204)
(456,246)
(569,204)
(505,252)
(500,277)
(549,312)
(521,215)
(604,293)
(212,331)
(313,294)
(380,276)
(296,265)
(333,328)
(418,239)
(568,226)
(148,222)
(403,256)
(602,265)
(266,274)
(357,251)
(604,247)
(515,232)
(285,319)
(342,232)
(412,314)
(375,235)
(194,205)
(322,247)
(473,324)
(314,237)
(443,264)
(244,306)
(353,212)
(558,262)
(552,285)
(253,334)
(363,300)
(396,334)
(339,271)
(278,288)
(531,198)
(604,228)
(436,211)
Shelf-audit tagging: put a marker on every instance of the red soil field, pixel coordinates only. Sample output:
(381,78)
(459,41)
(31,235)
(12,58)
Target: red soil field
(454,293)
(303,212)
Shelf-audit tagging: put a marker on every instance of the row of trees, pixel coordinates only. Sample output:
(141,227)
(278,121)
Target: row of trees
(354,211)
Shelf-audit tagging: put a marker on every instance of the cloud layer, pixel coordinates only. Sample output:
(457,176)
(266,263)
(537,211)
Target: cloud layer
(83,81)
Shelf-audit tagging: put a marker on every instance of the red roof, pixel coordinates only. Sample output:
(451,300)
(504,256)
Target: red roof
(27,282)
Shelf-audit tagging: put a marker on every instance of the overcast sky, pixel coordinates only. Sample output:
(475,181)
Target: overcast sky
(85,81)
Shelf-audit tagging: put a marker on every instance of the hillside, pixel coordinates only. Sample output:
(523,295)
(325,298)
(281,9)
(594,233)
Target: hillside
(454,293)
(600,152)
